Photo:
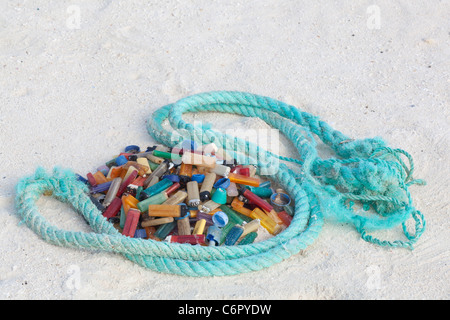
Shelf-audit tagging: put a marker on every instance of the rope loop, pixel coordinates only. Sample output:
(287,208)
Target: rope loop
(363,170)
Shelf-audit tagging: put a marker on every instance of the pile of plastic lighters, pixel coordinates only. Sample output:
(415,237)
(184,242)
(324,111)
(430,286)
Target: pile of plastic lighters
(191,194)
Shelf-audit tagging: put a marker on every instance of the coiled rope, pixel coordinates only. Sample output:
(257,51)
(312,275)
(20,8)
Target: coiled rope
(364,170)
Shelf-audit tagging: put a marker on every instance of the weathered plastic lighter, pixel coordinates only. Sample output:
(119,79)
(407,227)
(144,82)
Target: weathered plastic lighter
(167,210)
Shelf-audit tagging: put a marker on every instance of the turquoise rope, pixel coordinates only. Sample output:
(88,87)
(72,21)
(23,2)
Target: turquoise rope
(364,170)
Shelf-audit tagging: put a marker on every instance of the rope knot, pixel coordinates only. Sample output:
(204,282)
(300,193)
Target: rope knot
(359,148)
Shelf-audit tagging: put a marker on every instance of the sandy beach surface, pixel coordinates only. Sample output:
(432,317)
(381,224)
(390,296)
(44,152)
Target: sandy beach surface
(79,79)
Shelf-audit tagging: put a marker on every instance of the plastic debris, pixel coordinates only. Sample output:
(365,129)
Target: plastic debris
(188,195)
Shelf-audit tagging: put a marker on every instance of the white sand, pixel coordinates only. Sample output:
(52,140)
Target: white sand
(77,88)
